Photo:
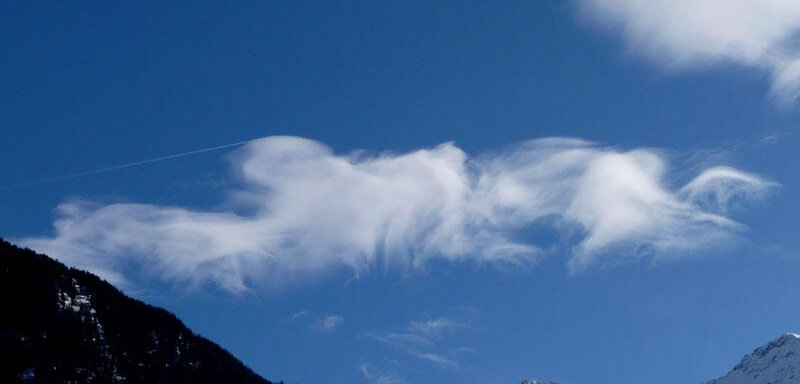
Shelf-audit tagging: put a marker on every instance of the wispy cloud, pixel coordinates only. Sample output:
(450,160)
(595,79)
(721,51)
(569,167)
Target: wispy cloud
(298,315)
(685,34)
(302,212)
(775,138)
(723,188)
(438,327)
(423,340)
(376,375)
(328,323)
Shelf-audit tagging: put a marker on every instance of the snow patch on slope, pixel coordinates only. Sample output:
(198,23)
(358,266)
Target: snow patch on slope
(775,363)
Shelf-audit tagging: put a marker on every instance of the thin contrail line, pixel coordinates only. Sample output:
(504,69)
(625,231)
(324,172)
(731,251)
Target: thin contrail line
(121,166)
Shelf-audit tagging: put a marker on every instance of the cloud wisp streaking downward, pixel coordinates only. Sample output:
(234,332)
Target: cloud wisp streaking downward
(683,34)
(310,212)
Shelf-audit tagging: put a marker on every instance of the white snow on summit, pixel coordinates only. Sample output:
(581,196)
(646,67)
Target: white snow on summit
(775,363)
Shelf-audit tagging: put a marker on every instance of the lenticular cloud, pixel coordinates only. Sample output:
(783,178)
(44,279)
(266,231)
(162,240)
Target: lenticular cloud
(310,212)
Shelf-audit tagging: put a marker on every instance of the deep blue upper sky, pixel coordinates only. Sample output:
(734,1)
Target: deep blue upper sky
(85,86)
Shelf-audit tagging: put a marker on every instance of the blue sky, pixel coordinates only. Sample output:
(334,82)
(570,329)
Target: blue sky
(375,89)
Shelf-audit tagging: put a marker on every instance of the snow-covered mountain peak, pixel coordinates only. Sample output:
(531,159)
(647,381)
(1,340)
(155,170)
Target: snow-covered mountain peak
(777,362)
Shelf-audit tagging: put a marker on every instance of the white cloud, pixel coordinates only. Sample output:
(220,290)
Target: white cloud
(303,212)
(682,34)
(722,188)
(328,323)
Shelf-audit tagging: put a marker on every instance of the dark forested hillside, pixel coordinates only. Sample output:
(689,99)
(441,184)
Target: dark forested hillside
(62,325)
